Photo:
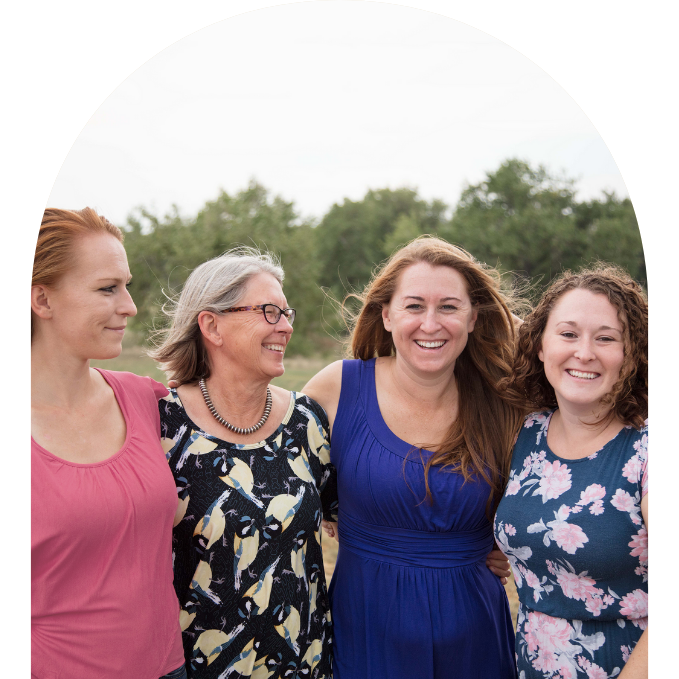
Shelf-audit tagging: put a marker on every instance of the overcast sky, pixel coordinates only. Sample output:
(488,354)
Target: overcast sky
(321,101)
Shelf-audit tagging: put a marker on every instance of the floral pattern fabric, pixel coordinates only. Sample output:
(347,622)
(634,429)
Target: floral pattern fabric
(247,558)
(578,546)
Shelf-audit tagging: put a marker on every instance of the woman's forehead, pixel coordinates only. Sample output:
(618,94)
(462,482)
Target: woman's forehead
(430,280)
(266,287)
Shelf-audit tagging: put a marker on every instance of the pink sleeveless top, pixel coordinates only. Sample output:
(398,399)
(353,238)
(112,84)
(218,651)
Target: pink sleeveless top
(103,604)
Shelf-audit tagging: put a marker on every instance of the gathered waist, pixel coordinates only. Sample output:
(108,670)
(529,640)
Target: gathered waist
(407,547)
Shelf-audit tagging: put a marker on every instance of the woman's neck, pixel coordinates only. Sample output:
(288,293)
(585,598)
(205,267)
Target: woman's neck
(58,379)
(432,391)
(235,399)
(573,435)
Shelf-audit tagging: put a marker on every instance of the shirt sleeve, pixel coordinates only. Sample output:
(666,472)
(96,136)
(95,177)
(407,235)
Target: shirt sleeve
(160,390)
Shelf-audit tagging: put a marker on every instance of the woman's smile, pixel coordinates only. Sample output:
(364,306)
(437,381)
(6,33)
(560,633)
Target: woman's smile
(430,344)
(429,317)
(278,348)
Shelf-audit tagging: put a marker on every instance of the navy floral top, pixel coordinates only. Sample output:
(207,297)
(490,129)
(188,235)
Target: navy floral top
(248,566)
(578,547)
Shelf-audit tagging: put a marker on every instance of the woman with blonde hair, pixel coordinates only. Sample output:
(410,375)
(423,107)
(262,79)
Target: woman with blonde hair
(102,497)
(574,517)
(421,439)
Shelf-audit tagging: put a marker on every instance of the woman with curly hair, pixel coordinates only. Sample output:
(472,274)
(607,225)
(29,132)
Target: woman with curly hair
(573,519)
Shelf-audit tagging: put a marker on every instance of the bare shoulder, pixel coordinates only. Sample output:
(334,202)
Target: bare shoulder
(325,387)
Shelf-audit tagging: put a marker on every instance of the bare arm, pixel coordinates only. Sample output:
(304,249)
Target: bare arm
(325,388)
(637,665)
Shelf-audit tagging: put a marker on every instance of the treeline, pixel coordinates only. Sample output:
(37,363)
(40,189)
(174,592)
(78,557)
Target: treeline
(521,219)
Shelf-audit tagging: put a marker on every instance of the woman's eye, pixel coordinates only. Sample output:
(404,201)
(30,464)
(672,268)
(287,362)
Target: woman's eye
(568,335)
(448,307)
(110,288)
(414,307)
(128,285)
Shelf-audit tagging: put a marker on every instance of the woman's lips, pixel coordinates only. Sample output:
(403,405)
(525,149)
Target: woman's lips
(279,348)
(582,374)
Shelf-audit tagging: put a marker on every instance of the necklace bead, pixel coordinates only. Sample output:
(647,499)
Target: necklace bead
(228,425)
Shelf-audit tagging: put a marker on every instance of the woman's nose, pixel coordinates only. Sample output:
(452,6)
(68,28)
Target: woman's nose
(284,325)
(584,351)
(128,307)
(430,322)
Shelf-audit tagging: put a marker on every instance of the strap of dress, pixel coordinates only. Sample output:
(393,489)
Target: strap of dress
(346,409)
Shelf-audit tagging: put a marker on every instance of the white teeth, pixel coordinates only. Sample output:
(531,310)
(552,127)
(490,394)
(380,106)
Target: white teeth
(275,347)
(586,376)
(430,345)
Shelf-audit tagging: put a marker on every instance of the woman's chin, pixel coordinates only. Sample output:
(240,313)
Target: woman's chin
(107,353)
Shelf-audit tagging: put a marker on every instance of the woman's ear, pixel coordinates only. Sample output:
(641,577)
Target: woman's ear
(385,318)
(207,322)
(40,302)
(473,319)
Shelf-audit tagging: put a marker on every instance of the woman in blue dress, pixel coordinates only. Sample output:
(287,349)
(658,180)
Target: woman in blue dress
(573,519)
(420,440)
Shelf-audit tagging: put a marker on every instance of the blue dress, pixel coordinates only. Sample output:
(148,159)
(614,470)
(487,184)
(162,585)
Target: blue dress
(574,534)
(411,596)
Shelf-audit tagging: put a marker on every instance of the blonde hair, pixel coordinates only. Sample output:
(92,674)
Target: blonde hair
(213,286)
(480,440)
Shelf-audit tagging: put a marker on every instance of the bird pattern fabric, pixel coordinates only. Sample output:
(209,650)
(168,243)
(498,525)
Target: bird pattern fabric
(247,557)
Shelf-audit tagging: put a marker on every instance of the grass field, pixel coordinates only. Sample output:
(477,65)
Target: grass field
(298,371)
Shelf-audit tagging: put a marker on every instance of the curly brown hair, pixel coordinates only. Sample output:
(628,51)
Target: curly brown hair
(628,399)
(479,441)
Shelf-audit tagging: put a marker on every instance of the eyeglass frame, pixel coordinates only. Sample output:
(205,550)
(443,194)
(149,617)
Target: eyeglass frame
(255,307)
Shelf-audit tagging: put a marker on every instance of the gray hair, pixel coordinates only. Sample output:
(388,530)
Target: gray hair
(215,285)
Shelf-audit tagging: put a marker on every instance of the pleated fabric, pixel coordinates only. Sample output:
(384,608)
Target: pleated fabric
(411,595)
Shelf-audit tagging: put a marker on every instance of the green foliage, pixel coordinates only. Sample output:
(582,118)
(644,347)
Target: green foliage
(519,218)
(527,221)
(163,254)
(357,235)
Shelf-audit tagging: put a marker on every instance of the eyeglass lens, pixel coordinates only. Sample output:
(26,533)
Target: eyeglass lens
(273,314)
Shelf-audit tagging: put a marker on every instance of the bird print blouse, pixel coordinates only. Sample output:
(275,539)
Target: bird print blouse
(248,566)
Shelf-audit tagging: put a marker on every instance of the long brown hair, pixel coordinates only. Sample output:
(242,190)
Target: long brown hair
(528,386)
(479,441)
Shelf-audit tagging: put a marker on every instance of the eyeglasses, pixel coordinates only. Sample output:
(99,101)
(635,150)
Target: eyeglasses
(272,313)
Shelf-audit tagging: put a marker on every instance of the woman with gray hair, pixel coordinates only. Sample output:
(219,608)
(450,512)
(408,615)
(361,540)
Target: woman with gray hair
(252,467)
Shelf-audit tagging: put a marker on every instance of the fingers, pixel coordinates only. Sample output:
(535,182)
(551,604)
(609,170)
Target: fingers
(498,564)
(497,555)
(502,571)
(330,528)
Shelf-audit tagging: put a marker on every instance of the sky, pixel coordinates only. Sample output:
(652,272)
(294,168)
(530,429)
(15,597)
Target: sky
(321,101)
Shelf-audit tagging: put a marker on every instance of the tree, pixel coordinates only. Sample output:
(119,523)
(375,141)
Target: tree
(163,254)
(357,235)
(527,221)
